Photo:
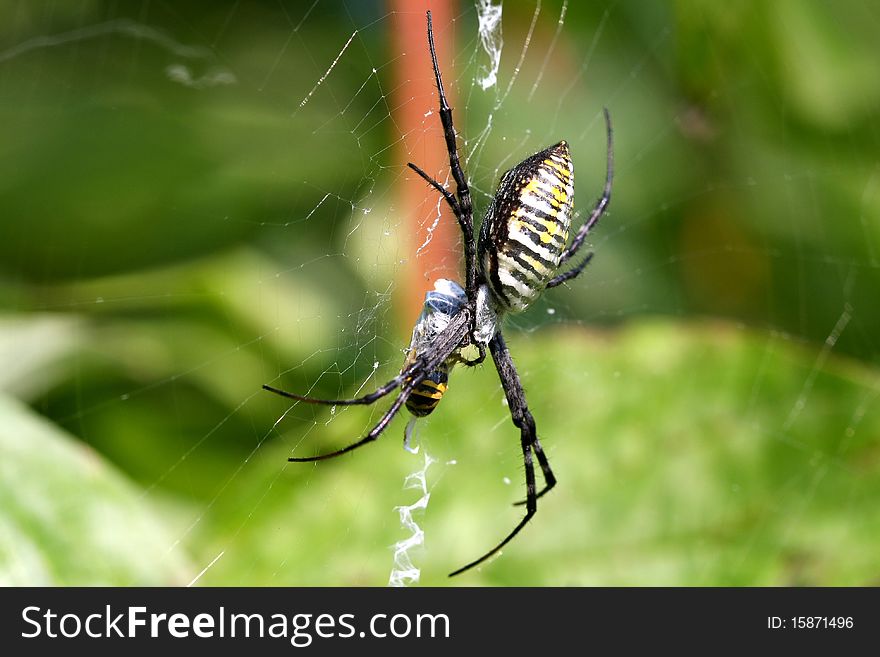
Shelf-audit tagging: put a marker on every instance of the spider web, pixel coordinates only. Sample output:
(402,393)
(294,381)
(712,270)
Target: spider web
(266,241)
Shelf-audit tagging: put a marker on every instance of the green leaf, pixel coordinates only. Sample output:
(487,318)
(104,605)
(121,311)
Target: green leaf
(33,350)
(69,518)
(686,455)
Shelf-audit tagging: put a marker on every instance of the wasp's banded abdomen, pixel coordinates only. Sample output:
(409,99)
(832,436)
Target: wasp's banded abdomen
(429,392)
(526,227)
(442,303)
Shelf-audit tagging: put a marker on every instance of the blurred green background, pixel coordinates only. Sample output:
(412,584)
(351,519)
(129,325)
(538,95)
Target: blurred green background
(176,230)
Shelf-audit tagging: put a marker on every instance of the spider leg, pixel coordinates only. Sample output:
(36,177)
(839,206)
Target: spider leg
(481,354)
(465,214)
(549,477)
(408,380)
(571,273)
(523,419)
(601,204)
(479,359)
(366,399)
(405,392)
(453,203)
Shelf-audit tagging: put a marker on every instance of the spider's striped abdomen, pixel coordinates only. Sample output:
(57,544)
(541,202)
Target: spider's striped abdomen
(526,228)
(429,392)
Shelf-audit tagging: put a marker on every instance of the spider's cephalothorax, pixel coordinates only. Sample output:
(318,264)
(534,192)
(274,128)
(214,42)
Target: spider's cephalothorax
(525,232)
(523,243)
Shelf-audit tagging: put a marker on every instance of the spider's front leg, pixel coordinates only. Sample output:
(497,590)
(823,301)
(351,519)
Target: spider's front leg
(469,343)
(481,357)
(522,418)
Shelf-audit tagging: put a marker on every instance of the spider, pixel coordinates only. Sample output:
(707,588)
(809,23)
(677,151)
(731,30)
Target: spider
(521,247)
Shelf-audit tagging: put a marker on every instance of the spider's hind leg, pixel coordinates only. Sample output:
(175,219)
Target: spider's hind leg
(449,196)
(598,210)
(574,272)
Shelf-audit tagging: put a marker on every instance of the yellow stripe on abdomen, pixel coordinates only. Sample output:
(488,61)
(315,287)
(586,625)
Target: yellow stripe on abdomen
(425,397)
(523,243)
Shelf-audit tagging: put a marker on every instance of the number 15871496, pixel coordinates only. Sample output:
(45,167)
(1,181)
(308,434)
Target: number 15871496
(809,622)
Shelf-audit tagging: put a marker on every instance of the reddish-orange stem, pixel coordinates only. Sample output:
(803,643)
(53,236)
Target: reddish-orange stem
(414,107)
